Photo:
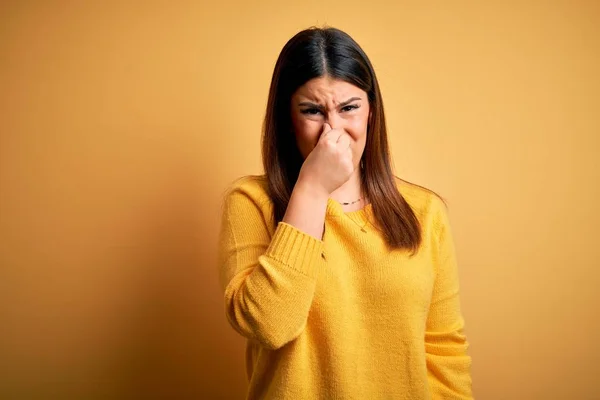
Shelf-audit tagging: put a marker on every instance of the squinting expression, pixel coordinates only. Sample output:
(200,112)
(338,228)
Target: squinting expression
(341,104)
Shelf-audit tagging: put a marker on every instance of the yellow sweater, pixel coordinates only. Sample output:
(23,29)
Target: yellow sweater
(343,318)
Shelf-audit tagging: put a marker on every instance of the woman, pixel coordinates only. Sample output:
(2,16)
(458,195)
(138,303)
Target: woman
(342,277)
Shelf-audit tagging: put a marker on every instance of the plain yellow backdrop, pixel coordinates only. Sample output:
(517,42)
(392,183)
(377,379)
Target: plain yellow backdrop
(122,123)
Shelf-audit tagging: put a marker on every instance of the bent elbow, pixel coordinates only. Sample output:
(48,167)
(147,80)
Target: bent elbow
(270,331)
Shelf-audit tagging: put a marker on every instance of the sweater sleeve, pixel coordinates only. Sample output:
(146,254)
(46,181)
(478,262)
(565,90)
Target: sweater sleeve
(448,364)
(269,280)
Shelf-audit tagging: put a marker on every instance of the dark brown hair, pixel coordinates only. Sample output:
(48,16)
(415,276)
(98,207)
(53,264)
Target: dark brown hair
(317,52)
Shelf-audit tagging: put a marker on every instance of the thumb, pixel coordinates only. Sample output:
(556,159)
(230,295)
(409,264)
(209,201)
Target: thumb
(326,128)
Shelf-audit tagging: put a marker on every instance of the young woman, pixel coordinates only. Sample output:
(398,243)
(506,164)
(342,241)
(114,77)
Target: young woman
(342,277)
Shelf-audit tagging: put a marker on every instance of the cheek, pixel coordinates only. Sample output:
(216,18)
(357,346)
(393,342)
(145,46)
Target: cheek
(358,127)
(306,131)
(307,135)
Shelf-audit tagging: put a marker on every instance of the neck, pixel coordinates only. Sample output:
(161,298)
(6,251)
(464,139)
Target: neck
(350,190)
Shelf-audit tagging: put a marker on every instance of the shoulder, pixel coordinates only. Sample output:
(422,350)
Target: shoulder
(429,207)
(247,192)
(253,185)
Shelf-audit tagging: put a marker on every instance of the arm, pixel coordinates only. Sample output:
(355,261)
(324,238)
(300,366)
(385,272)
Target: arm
(448,363)
(269,281)
(306,209)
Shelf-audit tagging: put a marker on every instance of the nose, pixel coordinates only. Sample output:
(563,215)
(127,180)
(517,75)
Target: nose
(334,120)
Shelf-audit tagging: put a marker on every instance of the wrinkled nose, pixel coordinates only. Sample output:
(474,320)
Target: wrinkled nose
(334,120)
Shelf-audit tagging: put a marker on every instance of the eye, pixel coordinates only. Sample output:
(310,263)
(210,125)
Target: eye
(310,111)
(349,108)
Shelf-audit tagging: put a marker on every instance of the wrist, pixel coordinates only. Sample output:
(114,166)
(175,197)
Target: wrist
(308,189)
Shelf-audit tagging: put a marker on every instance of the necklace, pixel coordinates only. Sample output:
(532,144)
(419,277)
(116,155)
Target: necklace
(355,201)
(352,218)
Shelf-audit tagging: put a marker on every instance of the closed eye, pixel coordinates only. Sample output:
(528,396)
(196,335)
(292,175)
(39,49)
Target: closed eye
(314,111)
(310,111)
(350,107)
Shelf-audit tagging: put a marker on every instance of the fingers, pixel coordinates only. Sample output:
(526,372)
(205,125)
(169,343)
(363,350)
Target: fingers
(325,131)
(343,141)
(341,138)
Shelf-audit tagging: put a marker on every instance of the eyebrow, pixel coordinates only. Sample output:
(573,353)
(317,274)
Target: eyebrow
(320,107)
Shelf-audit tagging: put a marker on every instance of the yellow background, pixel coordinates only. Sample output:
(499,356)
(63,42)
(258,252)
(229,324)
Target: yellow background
(122,123)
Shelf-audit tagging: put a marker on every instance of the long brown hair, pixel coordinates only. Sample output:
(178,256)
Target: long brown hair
(313,53)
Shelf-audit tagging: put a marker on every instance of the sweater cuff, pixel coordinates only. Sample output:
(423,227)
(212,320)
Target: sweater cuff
(296,249)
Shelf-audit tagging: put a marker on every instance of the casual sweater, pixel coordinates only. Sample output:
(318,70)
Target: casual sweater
(343,317)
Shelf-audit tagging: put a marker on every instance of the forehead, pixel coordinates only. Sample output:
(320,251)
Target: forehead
(327,89)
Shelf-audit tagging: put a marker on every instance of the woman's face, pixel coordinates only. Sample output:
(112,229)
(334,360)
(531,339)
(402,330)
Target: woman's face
(339,103)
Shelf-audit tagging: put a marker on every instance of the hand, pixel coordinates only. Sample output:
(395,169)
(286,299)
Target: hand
(329,165)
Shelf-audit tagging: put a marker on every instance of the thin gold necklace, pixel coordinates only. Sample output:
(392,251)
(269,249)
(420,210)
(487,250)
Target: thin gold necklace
(366,222)
(353,202)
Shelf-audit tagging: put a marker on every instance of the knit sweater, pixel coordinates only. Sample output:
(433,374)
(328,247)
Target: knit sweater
(343,317)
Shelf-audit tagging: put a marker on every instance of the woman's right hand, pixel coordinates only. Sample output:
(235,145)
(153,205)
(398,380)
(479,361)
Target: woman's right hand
(329,165)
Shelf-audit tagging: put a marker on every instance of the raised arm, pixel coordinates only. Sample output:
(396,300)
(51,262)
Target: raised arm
(269,281)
